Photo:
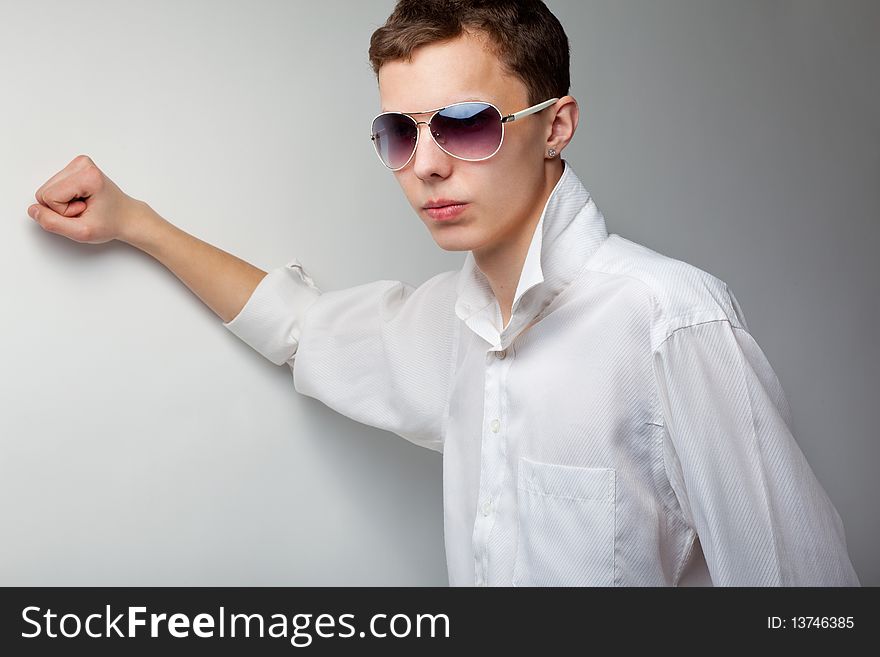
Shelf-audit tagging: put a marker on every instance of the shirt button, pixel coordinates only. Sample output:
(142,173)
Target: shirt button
(487,507)
(500,355)
(495,426)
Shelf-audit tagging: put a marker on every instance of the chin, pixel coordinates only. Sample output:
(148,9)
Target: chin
(452,240)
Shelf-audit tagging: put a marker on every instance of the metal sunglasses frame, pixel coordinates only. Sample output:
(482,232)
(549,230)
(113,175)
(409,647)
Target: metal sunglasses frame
(504,119)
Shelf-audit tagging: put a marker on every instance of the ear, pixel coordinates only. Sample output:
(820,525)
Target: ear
(565,120)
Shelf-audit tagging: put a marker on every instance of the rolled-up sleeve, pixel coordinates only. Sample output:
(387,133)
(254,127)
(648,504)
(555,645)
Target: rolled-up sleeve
(270,320)
(742,482)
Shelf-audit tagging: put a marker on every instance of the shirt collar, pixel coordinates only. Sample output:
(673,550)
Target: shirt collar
(569,231)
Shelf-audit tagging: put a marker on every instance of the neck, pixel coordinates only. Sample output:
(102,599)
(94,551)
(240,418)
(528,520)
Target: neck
(502,262)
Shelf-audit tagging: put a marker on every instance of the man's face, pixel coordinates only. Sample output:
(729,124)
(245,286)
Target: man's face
(502,193)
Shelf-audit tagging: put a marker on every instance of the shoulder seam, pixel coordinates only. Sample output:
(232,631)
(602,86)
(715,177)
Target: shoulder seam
(687,326)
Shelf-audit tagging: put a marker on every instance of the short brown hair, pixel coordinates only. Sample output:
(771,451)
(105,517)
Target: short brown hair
(525,36)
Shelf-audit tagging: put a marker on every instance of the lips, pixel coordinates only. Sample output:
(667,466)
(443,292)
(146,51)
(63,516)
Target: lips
(447,213)
(441,203)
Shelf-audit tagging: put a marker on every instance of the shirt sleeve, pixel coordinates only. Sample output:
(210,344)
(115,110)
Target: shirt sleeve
(380,353)
(270,320)
(743,484)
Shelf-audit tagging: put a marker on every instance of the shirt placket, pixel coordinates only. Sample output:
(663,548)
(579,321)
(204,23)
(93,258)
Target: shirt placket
(493,450)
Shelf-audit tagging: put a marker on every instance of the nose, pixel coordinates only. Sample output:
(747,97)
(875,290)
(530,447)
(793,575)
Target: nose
(429,159)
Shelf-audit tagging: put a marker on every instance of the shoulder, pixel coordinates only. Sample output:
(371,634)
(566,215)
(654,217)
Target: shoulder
(679,293)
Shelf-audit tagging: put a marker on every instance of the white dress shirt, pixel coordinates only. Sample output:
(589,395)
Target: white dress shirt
(624,428)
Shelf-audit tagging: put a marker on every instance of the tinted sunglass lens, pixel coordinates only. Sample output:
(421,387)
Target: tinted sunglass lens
(469,130)
(394,136)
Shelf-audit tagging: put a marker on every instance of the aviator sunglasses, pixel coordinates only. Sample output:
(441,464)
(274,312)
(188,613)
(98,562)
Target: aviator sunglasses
(470,131)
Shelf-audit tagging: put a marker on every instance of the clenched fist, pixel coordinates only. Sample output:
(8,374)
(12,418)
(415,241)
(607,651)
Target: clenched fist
(82,204)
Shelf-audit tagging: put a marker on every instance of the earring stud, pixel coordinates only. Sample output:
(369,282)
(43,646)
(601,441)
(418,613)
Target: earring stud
(552,152)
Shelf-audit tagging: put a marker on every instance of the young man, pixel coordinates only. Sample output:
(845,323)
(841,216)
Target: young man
(604,415)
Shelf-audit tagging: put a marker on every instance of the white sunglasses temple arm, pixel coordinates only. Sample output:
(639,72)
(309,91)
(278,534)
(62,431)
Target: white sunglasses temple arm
(529,110)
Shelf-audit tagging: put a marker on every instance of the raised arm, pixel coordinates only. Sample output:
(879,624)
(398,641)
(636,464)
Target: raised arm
(81,203)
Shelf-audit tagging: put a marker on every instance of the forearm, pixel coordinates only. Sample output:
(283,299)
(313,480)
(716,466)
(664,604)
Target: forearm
(221,280)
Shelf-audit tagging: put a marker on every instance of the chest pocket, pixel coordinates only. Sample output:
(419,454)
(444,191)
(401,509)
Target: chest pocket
(566,525)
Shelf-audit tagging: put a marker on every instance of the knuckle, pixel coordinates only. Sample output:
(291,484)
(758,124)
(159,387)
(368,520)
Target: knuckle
(92,176)
(86,234)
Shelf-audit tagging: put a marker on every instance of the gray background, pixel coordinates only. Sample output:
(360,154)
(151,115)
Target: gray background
(142,444)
